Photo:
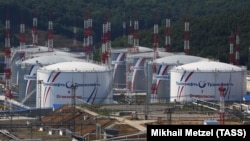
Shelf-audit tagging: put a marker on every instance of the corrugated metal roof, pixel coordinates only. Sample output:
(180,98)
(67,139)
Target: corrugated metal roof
(209,66)
(179,59)
(75,66)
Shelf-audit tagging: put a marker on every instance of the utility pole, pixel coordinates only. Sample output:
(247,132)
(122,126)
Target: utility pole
(149,83)
(73,102)
(40,100)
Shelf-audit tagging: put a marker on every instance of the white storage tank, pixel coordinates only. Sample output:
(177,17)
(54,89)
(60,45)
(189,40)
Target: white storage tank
(118,57)
(19,55)
(93,83)
(118,62)
(27,73)
(161,78)
(136,63)
(31,51)
(202,80)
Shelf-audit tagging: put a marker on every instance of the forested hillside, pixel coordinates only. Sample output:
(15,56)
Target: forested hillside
(211,22)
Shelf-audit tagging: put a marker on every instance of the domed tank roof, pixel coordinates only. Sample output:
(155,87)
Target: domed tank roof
(140,48)
(149,54)
(35,51)
(209,66)
(76,66)
(179,59)
(31,48)
(51,59)
(144,49)
(57,52)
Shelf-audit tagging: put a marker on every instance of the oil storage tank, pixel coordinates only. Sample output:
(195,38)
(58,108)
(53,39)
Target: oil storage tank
(204,80)
(159,82)
(20,54)
(135,63)
(118,62)
(27,74)
(31,51)
(85,82)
